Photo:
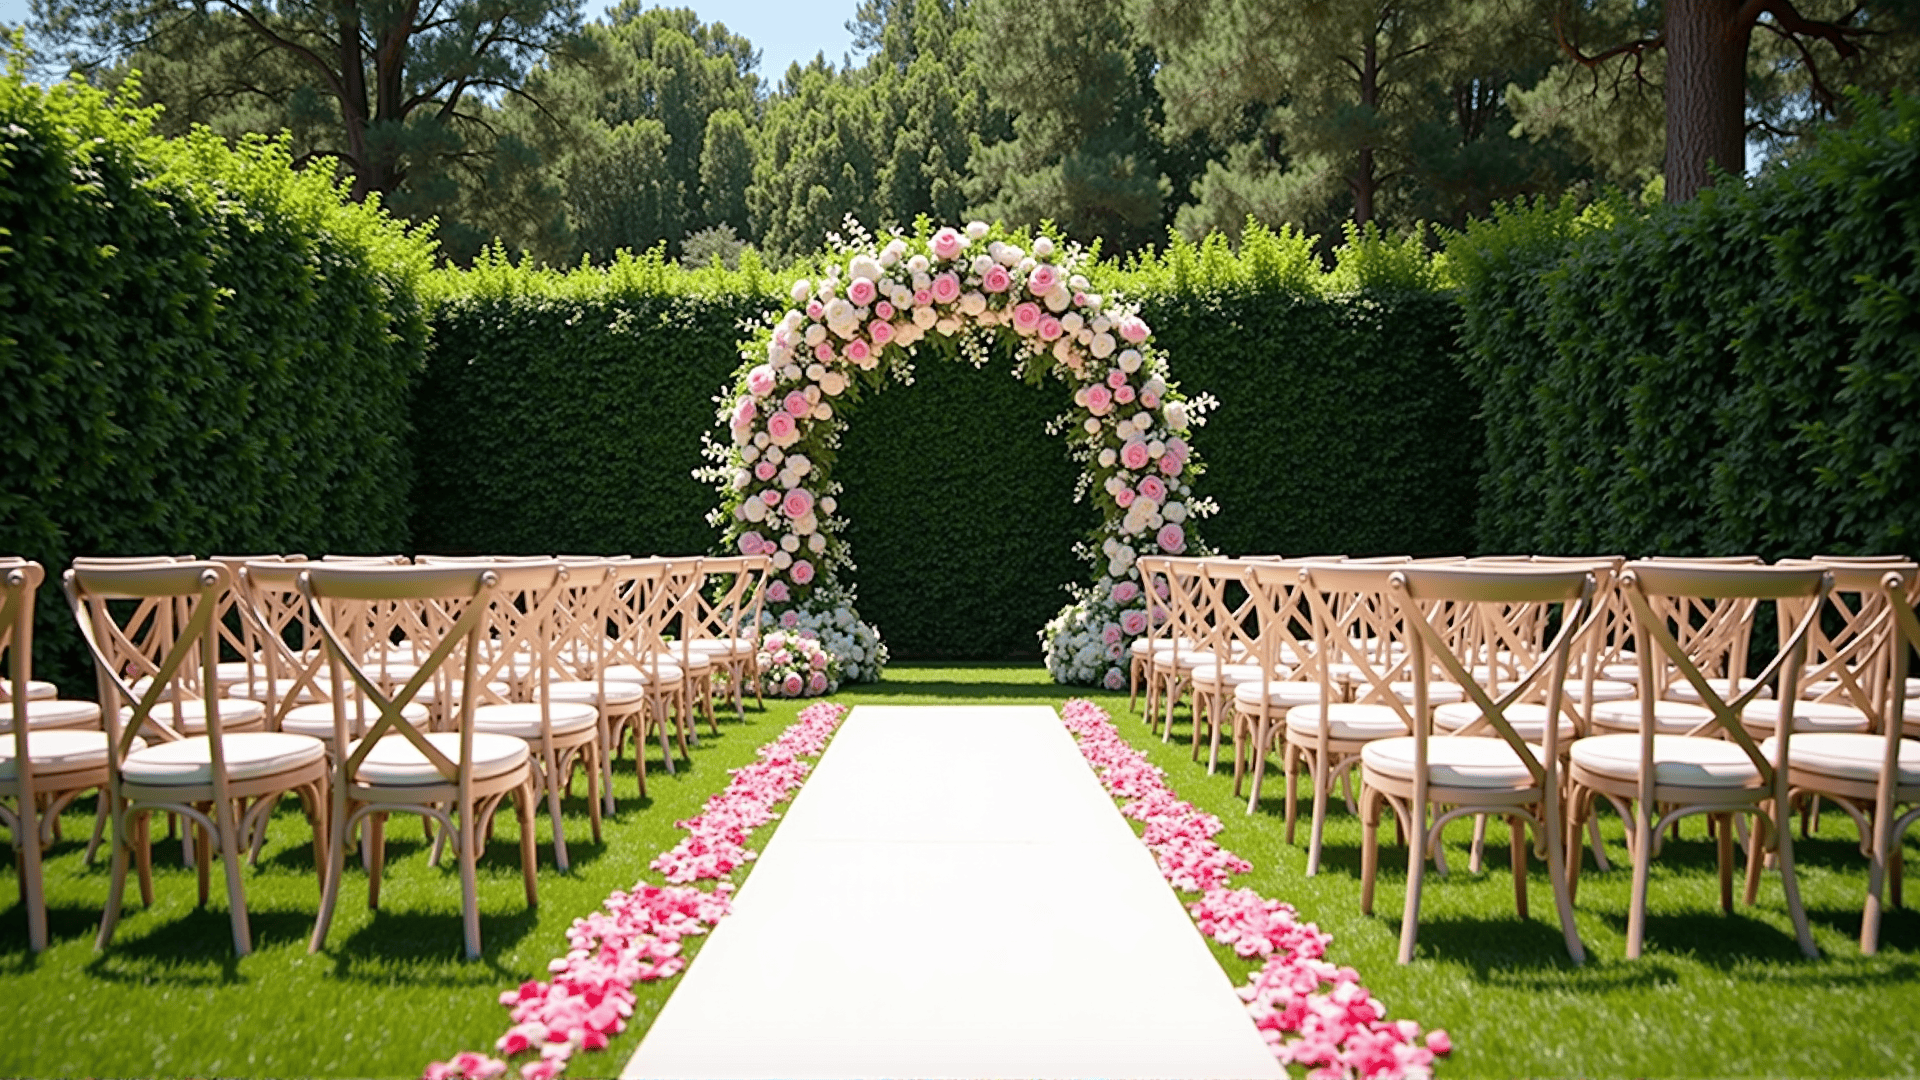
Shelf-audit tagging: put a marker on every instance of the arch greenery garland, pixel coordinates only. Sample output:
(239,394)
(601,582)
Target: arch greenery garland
(857,327)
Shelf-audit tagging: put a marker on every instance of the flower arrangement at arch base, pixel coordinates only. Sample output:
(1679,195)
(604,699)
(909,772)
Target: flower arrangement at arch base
(856,327)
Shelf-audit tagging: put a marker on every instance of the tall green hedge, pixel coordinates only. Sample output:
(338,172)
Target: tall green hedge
(565,411)
(1738,374)
(201,350)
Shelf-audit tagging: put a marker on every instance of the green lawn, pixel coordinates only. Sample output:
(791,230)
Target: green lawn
(1715,995)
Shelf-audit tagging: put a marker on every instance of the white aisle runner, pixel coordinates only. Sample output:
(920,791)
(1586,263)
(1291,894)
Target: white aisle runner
(953,895)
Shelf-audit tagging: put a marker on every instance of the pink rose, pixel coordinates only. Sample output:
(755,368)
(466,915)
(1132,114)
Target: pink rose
(788,619)
(781,425)
(1171,464)
(1438,1042)
(1125,591)
(1111,634)
(1133,623)
(1124,395)
(1098,400)
(1115,680)
(823,352)
(1150,401)
(1153,489)
(760,380)
(764,470)
(750,543)
(996,279)
(858,350)
(796,403)
(797,504)
(1049,328)
(880,331)
(817,683)
(923,298)
(818,659)
(861,292)
(946,288)
(1172,538)
(744,412)
(1042,280)
(1026,317)
(771,497)
(777,593)
(1134,329)
(793,684)
(801,572)
(948,243)
(816,310)
(1116,378)
(1134,455)
(544,1069)
(1124,497)
(883,310)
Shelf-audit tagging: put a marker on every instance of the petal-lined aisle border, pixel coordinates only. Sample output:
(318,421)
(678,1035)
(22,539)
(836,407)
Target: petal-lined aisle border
(1311,1013)
(637,938)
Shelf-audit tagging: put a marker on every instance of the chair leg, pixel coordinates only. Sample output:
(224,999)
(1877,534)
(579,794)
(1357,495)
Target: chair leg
(1476,854)
(27,867)
(1600,862)
(229,830)
(1321,779)
(1562,843)
(523,803)
(1576,809)
(592,752)
(1642,858)
(548,772)
(202,858)
(1290,765)
(1723,842)
(1791,881)
(143,856)
(1369,846)
(375,827)
(117,883)
(464,855)
(1519,857)
(99,827)
(1416,873)
(336,869)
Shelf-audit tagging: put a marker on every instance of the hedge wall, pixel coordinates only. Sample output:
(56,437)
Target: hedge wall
(201,350)
(564,411)
(1738,374)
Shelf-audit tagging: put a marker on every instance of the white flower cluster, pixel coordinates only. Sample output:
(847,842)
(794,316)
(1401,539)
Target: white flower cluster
(855,644)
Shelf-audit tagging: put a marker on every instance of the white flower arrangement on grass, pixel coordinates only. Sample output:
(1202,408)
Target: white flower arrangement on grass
(794,664)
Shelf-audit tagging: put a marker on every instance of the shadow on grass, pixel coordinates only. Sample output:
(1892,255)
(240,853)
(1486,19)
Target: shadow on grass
(428,949)
(195,948)
(1899,927)
(1503,949)
(64,923)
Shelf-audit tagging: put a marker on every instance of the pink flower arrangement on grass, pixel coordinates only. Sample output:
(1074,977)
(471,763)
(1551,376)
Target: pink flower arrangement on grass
(797,664)
(1310,1012)
(637,937)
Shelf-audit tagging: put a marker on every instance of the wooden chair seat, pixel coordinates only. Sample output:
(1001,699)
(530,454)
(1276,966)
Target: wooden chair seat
(522,719)
(1849,755)
(1277,693)
(54,713)
(612,692)
(395,762)
(317,720)
(1678,761)
(1214,673)
(1680,690)
(263,690)
(1669,717)
(37,690)
(55,751)
(1438,693)
(1603,690)
(1760,718)
(249,755)
(430,691)
(1345,721)
(189,716)
(670,673)
(1485,764)
(1528,719)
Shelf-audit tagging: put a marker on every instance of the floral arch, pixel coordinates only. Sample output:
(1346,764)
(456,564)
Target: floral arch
(857,327)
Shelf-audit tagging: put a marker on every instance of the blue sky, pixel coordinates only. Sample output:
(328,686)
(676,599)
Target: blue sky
(783,31)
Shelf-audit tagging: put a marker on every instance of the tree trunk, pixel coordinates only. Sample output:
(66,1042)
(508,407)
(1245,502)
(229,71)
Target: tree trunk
(1706,44)
(1363,182)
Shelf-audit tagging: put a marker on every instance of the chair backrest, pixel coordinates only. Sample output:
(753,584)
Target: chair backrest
(1229,612)
(291,653)
(1357,629)
(19,580)
(1670,598)
(456,602)
(733,600)
(1507,604)
(1284,641)
(1849,645)
(637,611)
(158,616)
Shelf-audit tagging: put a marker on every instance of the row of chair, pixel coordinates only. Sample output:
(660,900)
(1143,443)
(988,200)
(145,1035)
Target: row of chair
(1529,689)
(365,687)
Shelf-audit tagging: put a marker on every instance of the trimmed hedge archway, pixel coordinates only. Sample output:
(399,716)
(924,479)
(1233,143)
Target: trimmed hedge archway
(857,328)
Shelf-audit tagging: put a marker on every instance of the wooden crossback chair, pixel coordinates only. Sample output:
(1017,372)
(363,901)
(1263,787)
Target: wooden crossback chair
(222,782)
(724,625)
(456,777)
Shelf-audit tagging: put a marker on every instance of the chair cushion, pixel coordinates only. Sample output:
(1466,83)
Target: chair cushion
(1626,672)
(60,750)
(1678,760)
(1349,721)
(1669,717)
(670,673)
(317,720)
(617,692)
(1212,673)
(236,714)
(395,762)
(1678,689)
(1186,656)
(1849,755)
(456,689)
(724,646)
(228,672)
(53,713)
(522,719)
(263,688)
(1603,689)
(1437,692)
(36,690)
(1527,718)
(1465,762)
(249,754)
(1278,692)
(1764,716)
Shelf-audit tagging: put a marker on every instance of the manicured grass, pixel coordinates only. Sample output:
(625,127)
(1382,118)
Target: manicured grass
(1714,996)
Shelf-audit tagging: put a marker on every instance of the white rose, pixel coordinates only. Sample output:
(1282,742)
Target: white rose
(982,263)
(1071,322)
(1176,413)
(973,303)
(828,505)
(864,266)
(1130,360)
(1176,512)
(924,318)
(976,229)
(756,511)
(1043,248)
(816,372)
(790,373)
(1093,425)
(741,478)
(776,455)
(1063,351)
(1060,298)
(948,326)
(1108,457)
(1156,386)
(782,560)
(917,266)
(804,525)
(833,383)
(839,312)
(801,290)
(747,454)
(794,320)
(823,411)
(815,334)
(1101,346)
(1156,448)
(1011,257)
(817,543)
(760,439)
(1078,283)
